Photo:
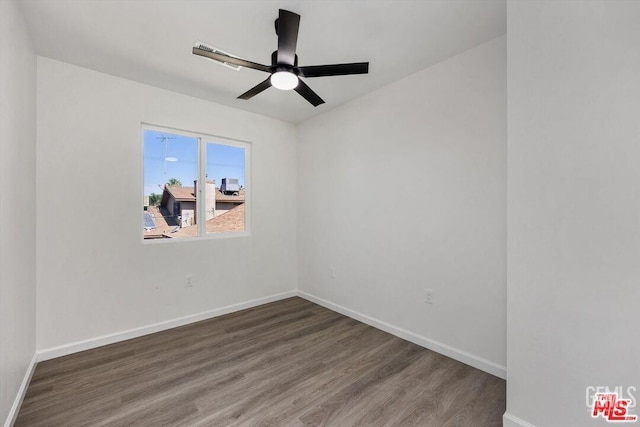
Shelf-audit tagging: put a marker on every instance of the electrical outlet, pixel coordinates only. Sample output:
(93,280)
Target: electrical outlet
(428,296)
(332,272)
(189,281)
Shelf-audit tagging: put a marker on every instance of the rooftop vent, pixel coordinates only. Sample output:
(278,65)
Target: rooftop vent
(209,48)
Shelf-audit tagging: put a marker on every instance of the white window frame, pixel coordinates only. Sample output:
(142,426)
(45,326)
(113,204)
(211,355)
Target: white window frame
(203,139)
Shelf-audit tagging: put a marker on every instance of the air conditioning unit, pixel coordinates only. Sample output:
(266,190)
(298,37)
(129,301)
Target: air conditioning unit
(230,186)
(209,48)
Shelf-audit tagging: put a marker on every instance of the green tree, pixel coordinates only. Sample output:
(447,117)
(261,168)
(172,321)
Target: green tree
(155,199)
(174,182)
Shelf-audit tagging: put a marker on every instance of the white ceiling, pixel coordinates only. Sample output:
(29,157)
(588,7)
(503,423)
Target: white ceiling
(150,41)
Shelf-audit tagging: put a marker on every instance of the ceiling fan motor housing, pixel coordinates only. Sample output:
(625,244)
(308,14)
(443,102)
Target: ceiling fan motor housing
(274,59)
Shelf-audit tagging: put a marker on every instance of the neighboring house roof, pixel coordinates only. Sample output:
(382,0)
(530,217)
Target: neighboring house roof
(220,197)
(187,194)
(230,221)
(181,194)
(164,222)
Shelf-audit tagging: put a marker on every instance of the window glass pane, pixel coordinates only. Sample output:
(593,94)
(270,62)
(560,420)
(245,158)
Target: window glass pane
(170,173)
(225,194)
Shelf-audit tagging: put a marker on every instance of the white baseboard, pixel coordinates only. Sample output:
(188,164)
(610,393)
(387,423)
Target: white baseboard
(454,353)
(88,344)
(509,420)
(13,413)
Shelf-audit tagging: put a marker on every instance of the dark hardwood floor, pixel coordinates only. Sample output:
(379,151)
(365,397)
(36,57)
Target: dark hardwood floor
(287,363)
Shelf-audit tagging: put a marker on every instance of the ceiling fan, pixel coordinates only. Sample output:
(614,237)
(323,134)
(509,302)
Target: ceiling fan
(284,69)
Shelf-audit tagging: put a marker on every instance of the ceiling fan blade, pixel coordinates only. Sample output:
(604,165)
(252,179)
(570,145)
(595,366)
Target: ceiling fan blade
(308,94)
(231,60)
(256,89)
(334,69)
(288,24)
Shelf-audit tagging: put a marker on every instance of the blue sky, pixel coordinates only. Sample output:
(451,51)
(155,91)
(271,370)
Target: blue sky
(160,148)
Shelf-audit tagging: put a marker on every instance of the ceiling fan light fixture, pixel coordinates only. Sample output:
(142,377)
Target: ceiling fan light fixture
(284,80)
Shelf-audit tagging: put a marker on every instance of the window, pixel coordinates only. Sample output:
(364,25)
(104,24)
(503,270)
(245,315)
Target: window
(188,177)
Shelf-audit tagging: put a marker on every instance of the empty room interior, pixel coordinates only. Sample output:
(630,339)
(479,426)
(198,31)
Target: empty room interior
(320,213)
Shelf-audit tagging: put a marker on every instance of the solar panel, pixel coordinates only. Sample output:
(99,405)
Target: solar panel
(148,221)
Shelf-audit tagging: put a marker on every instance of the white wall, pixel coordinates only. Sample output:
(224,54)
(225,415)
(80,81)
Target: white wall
(574,206)
(96,277)
(17,203)
(405,189)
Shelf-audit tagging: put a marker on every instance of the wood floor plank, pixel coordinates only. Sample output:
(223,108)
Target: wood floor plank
(287,363)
